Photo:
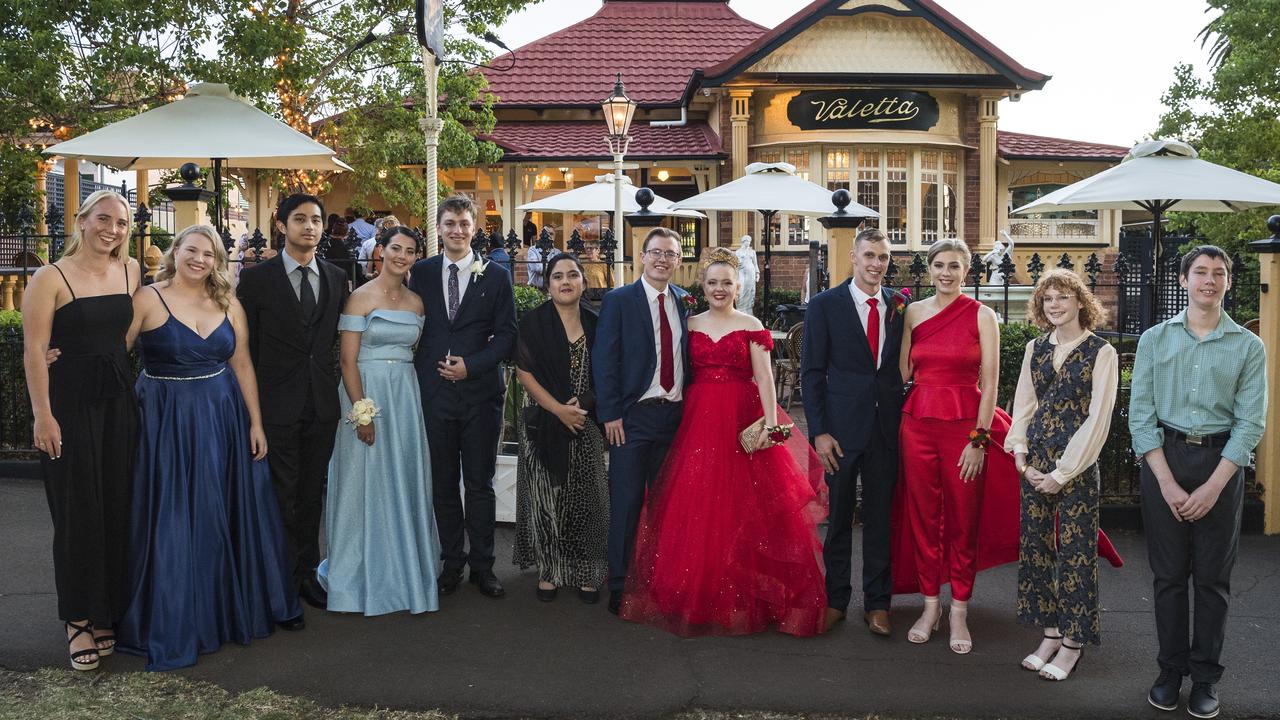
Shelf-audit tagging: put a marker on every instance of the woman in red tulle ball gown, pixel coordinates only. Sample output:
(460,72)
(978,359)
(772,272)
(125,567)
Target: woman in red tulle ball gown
(727,543)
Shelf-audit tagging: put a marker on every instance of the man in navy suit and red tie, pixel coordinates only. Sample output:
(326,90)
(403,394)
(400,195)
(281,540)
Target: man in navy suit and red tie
(470,329)
(639,362)
(852,389)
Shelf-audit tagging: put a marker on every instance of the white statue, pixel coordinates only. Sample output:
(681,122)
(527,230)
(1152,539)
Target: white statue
(997,255)
(747,274)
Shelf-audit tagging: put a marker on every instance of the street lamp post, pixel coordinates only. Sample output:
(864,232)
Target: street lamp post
(618,111)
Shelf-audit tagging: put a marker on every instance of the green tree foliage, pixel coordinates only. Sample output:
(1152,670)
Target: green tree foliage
(1231,118)
(347,72)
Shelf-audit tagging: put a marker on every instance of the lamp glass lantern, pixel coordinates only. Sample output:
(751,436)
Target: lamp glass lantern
(618,110)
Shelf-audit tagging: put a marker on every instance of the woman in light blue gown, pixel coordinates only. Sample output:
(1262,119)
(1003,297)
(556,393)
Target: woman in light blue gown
(383,547)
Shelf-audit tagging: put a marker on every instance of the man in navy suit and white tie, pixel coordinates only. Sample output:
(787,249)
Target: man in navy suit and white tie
(640,364)
(852,388)
(470,329)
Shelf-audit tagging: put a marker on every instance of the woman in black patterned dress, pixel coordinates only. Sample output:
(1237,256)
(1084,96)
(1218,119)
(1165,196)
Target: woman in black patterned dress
(1061,416)
(562,494)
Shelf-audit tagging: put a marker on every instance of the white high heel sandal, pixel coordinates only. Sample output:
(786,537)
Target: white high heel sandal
(1034,662)
(920,632)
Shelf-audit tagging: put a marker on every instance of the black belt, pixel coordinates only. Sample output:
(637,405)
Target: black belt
(655,401)
(1218,440)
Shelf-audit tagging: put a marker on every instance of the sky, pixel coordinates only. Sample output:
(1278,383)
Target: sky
(1110,59)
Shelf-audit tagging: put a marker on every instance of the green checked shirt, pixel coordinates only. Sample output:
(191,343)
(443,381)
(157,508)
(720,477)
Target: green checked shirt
(1201,387)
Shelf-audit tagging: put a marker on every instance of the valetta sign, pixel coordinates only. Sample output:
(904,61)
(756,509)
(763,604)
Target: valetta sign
(862,110)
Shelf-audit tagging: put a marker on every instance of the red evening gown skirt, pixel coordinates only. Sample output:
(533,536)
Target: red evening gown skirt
(727,543)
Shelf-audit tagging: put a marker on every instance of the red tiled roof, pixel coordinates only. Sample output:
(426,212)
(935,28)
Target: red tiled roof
(585,141)
(1020,145)
(813,12)
(655,45)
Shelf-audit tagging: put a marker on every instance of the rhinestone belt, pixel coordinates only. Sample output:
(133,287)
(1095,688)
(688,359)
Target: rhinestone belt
(216,373)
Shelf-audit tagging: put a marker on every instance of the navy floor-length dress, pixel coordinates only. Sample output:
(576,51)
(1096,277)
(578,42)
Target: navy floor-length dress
(207,557)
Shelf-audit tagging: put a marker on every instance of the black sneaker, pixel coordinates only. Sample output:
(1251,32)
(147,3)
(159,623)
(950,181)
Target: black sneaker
(1164,692)
(1203,702)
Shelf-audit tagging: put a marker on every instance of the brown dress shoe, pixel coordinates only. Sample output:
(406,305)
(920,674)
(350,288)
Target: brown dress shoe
(833,616)
(878,622)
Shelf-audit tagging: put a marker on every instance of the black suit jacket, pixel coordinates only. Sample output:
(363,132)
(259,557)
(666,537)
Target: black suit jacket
(290,356)
(483,333)
(842,389)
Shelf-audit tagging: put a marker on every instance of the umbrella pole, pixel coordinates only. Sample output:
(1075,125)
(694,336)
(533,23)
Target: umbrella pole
(768,244)
(217,194)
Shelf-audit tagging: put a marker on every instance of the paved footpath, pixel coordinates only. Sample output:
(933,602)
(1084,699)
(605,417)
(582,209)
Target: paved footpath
(517,657)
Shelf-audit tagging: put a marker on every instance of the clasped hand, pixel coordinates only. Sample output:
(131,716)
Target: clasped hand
(453,368)
(1190,507)
(572,415)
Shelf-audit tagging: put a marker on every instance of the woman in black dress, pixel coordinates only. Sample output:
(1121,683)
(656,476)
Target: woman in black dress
(86,417)
(562,495)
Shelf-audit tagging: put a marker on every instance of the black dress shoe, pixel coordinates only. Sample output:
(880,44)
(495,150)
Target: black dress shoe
(547,595)
(314,593)
(590,597)
(1164,693)
(487,582)
(448,582)
(1203,702)
(615,602)
(293,624)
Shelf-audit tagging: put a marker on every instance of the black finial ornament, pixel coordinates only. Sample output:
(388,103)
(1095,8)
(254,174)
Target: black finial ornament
(644,217)
(189,172)
(841,217)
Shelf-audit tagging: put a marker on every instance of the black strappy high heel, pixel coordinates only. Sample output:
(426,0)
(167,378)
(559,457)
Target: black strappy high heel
(76,661)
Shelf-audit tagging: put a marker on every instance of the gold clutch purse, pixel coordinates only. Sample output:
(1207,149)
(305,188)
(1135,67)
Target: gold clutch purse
(750,435)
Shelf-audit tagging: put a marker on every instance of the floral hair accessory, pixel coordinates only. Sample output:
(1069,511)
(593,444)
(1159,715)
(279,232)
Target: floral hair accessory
(363,411)
(980,437)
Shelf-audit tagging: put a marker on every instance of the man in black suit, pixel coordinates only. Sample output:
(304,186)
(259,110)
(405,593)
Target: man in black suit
(852,388)
(470,330)
(640,362)
(292,302)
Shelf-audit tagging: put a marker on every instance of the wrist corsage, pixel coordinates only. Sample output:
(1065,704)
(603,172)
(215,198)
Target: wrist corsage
(362,412)
(980,438)
(779,433)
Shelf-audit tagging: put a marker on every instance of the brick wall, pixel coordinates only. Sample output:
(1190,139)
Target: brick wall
(971,134)
(786,271)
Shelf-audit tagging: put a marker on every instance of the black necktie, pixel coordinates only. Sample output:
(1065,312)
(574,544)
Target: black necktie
(453,291)
(305,294)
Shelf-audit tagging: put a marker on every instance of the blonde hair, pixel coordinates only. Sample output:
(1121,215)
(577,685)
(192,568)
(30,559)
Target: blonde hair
(950,245)
(385,222)
(218,283)
(1092,314)
(76,242)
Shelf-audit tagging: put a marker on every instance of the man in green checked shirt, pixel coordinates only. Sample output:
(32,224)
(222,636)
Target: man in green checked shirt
(1198,395)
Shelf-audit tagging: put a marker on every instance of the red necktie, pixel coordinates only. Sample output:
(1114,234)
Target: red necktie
(873,331)
(667,376)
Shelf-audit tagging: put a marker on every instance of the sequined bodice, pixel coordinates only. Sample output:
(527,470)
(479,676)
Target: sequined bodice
(727,359)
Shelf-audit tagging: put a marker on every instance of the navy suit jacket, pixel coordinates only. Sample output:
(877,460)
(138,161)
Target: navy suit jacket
(483,333)
(623,358)
(843,391)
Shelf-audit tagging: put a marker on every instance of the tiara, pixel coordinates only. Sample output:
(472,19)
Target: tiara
(721,255)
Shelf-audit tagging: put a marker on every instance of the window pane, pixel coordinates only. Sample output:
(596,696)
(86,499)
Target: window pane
(928,196)
(869,183)
(895,207)
(950,203)
(837,168)
(798,225)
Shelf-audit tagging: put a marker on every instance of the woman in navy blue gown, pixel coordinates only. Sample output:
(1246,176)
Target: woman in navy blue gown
(207,561)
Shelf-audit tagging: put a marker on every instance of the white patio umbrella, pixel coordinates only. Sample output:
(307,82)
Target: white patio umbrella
(209,125)
(1159,175)
(598,198)
(771,188)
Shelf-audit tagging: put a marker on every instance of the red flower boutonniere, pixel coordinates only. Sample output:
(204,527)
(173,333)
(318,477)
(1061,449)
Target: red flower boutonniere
(690,302)
(900,300)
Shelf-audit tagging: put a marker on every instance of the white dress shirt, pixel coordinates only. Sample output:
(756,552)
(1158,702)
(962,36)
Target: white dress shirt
(464,277)
(864,311)
(295,278)
(677,351)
